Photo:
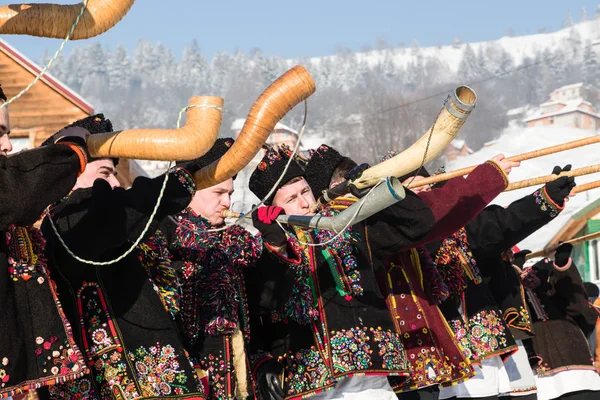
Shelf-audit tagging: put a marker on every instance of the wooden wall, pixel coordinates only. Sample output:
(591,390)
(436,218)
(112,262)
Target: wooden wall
(42,108)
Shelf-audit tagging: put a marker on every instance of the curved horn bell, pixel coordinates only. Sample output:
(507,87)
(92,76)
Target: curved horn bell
(191,141)
(273,104)
(55,20)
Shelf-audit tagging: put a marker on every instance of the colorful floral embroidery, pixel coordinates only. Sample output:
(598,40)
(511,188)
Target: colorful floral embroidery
(350,350)
(212,284)
(102,343)
(185,178)
(518,319)
(56,358)
(4,376)
(545,203)
(485,335)
(391,349)
(217,369)
(305,371)
(456,263)
(155,257)
(158,371)
(78,389)
(23,260)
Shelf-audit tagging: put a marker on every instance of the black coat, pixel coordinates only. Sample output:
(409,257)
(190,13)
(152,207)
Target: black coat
(491,237)
(560,341)
(32,326)
(353,334)
(128,336)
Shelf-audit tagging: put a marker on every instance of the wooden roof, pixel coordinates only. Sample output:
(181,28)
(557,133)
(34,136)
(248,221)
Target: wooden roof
(47,107)
(576,223)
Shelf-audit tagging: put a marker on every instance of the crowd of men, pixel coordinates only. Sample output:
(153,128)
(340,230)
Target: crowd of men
(426,299)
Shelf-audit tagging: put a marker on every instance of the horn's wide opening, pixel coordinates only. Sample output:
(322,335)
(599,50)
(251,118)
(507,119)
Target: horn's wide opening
(466,96)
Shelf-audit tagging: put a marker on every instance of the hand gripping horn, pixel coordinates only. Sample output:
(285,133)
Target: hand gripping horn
(55,20)
(193,140)
(273,104)
(457,108)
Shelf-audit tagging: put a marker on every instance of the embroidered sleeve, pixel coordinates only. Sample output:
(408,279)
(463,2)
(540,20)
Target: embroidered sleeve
(546,204)
(186,179)
(244,248)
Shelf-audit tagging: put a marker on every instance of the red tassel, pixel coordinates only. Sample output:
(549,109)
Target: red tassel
(348,297)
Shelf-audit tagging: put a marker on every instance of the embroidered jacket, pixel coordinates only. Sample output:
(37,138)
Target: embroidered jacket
(564,320)
(415,287)
(214,308)
(36,345)
(323,314)
(471,310)
(491,237)
(131,342)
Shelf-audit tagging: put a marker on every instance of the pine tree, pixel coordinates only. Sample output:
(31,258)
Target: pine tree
(589,67)
(119,69)
(469,65)
(192,70)
(568,21)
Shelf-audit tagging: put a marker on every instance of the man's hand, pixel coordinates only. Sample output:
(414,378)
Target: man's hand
(264,219)
(414,179)
(560,189)
(506,164)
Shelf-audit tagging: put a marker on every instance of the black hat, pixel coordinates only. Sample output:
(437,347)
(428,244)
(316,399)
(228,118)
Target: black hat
(93,124)
(270,169)
(220,147)
(321,166)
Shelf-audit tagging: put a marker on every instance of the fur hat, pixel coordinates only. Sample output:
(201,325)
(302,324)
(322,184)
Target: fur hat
(93,124)
(269,170)
(321,166)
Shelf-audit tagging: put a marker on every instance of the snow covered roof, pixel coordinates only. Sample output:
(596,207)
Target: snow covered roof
(570,106)
(238,124)
(520,140)
(458,143)
(571,86)
(516,111)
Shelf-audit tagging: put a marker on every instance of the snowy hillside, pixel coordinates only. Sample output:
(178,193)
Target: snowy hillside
(518,47)
(518,141)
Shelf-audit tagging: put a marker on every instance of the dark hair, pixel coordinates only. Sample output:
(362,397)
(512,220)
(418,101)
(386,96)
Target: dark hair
(591,289)
(2,95)
(341,169)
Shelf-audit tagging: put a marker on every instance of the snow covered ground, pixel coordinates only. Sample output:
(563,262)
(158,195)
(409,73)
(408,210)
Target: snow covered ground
(517,141)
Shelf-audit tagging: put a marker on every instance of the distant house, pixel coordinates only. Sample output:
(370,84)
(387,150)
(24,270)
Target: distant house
(282,134)
(568,106)
(43,110)
(457,148)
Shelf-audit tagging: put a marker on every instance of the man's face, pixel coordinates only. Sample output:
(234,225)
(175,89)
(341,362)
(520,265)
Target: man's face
(295,198)
(5,145)
(209,203)
(99,169)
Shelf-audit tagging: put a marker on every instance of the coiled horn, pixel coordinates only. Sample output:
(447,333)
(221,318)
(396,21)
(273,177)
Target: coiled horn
(457,108)
(55,20)
(193,140)
(273,104)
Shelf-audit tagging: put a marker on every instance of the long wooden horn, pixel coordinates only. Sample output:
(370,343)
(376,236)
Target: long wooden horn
(585,187)
(273,104)
(55,20)
(194,139)
(574,242)
(457,108)
(519,157)
(549,178)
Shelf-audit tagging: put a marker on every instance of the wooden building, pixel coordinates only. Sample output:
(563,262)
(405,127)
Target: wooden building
(43,110)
